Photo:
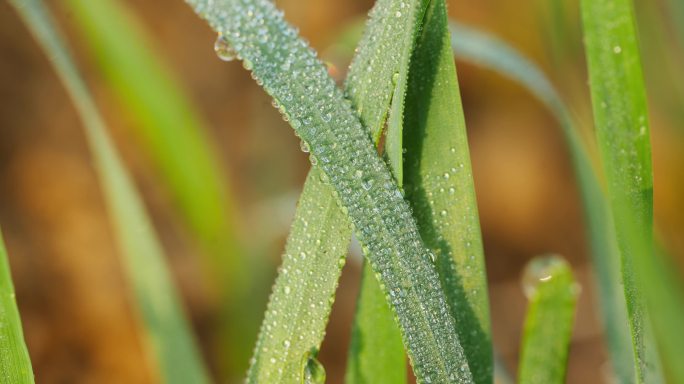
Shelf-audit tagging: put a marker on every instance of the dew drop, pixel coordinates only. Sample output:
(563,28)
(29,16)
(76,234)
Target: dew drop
(397,14)
(314,372)
(540,271)
(223,49)
(617,49)
(304,146)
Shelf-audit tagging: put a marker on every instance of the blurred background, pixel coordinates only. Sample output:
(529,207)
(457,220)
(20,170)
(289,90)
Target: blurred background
(76,307)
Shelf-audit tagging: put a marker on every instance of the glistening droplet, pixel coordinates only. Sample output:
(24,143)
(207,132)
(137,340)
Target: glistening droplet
(223,49)
(314,373)
(539,271)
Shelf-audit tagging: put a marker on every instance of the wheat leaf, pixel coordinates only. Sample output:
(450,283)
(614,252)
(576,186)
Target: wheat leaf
(15,363)
(290,72)
(169,334)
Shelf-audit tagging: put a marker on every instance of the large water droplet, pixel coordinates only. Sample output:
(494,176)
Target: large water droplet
(223,49)
(314,373)
(539,271)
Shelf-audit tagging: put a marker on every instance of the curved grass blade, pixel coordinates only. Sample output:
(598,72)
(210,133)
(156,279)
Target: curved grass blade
(274,341)
(343,150)
(168,126)
(15,363)
(552,292)
(171,132)
(489,52)
(166,327)
(620,115)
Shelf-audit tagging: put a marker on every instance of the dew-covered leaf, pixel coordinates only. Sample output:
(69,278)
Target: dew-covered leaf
(621,119)
(552,292)
(488,52)
(166,327)
(303,292)
(342,148)
(15,363)
(439,186)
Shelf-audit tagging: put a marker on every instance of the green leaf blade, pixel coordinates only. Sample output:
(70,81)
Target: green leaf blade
(486,51)
(343,150)
(169,128)
(621,119)
(552,292)
(15,363)
(304,290)
(168,332)
(376,353)
(440,188)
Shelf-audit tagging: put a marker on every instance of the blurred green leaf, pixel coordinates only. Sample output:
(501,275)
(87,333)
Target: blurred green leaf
(552,293)
(167,330)
(620,114)
(171,132)
(15,363)
(343,150)
(487,51)
(170,129)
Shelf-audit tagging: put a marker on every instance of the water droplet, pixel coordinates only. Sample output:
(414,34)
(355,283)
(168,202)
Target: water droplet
(617,49)
(223,49)
(287,290)
(397,14)
(540,271)
(443,213)
(395,78)
(367,183)
(304,146)
(314,372)
(446,175)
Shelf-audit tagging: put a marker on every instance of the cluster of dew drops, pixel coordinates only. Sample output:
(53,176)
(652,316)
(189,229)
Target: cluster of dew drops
(382,216)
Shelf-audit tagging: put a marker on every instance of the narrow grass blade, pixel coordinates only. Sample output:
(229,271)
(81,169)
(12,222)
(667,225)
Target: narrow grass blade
(440,188)
(171,132)
(376,354)
(552,293)
(489,52)
(340,145)
(274,341)
(620,114)
(170,129)
(15,364)
(167,329)
(303,293)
